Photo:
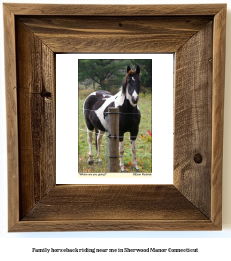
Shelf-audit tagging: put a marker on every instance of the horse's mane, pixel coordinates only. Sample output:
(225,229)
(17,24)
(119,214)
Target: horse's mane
(130,72)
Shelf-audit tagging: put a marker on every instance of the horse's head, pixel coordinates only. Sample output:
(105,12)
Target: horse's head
(131,85)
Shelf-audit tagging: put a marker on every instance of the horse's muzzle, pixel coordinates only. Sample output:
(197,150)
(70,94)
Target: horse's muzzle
(135,101)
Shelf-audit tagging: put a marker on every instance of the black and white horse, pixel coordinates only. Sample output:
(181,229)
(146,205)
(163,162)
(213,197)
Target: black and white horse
(97,103)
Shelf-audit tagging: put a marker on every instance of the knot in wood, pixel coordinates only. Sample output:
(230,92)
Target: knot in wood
(198,158)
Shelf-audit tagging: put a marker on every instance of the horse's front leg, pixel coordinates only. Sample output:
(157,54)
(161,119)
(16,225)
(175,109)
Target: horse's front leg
(121,151)
(133,147)
(89,139)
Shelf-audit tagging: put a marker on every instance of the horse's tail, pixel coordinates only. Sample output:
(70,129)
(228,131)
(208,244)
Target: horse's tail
(96,134)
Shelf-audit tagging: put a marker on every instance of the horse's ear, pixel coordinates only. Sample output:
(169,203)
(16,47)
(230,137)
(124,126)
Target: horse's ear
(138,69)
(128,69)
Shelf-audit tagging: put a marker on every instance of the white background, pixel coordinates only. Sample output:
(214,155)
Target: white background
(213,245)
(67,120)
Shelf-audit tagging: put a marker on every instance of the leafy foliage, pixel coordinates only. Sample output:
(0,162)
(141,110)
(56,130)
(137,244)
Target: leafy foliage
(107,74)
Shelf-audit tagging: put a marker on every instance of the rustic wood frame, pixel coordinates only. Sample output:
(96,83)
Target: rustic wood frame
(33,34)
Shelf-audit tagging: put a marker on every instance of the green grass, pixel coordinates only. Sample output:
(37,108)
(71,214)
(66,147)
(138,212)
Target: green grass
(144,144)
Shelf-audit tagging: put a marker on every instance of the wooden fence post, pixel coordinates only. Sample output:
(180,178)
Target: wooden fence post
(113,116)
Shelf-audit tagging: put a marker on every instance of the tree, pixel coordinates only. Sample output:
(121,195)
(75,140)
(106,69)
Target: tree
(105,72)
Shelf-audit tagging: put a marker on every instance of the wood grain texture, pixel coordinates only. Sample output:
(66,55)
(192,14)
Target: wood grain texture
(218,115)
(36,121)
(112,207)
(12,122)
(114,225)
(115,10)
(113,202)
(193,119)
(114,34)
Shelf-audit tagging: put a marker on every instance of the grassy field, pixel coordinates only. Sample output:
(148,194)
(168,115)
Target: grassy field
(144,141)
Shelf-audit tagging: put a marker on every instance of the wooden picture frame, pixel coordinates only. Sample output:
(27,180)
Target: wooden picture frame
(33,35)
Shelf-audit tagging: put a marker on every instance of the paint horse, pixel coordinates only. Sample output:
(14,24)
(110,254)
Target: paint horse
(97,103)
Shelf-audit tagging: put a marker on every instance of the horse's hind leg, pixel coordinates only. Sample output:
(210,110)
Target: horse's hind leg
(89,139)
(99,141)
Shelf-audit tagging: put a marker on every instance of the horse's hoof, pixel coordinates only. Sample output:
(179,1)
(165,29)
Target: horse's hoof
(137,169)
(89,162)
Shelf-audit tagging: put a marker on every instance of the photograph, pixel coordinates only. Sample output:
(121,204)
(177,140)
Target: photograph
(99,80)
